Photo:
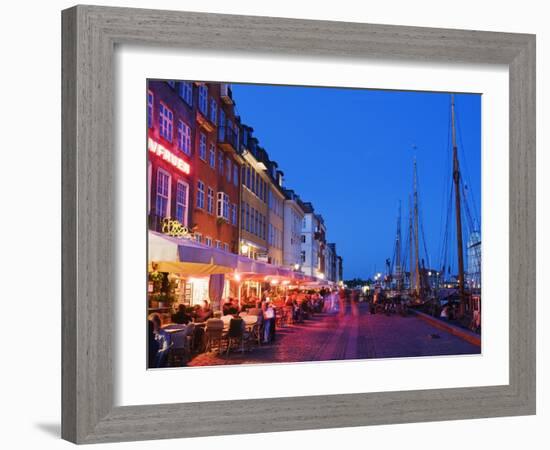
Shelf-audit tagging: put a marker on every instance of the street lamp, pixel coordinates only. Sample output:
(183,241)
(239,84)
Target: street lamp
(244,249)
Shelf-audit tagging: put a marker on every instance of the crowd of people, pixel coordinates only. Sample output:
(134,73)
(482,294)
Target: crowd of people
(271,308)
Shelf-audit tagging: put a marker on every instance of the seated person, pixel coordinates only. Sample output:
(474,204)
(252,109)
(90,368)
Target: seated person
(229,307)
(162,343)
(153,345)
(204,313)
(181,316)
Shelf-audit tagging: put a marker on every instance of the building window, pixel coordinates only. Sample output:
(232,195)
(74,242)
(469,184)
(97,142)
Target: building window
(303,256)
(228,163)
(171,83)
(200,194)
(184,137)
(186,92)
(220,162)
(165,122)
(208,241)
(235,175)
(221,126)
(223,206)
(261,189)
(202,147)
(213,111)
(150,100)
(210,201)
(226,247)
(212,156)
(162,202)
(203,99)
(262,226)
(234,214)
(182,192)
(149,181)
(247,177)
(218,244)
(247,227)
(303,238)
(242,214)
(198,238)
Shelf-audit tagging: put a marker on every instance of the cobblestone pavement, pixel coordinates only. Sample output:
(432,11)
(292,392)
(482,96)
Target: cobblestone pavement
(354,334)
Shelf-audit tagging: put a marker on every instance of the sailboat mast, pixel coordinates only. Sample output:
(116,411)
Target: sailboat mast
(411,248)
(417,260)
(398,271)
(456,180)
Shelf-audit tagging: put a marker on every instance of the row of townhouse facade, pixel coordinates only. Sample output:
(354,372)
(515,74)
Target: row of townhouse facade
(207,171)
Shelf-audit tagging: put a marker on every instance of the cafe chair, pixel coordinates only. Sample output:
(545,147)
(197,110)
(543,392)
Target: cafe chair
(236,334)
(214,335)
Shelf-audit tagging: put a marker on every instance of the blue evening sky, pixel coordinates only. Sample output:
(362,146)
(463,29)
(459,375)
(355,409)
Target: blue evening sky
(350,152)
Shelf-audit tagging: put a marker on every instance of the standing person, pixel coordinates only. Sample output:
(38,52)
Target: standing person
(269,318)
(342,301)
(374,302)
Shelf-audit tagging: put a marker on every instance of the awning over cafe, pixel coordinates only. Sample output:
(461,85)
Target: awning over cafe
(187,257)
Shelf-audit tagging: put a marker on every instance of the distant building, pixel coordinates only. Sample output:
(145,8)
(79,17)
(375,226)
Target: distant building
(340,268)
(331,262)
(473,275)
(292,233)
(313,242)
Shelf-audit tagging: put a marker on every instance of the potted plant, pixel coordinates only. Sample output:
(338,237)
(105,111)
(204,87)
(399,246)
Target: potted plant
(156,280)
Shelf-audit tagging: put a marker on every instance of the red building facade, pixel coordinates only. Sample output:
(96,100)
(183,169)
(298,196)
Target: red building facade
(193,163)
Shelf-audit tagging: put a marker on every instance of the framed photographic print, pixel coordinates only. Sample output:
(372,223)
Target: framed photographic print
(314,232)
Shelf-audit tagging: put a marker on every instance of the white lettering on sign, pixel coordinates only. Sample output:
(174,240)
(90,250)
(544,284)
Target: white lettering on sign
(167,155)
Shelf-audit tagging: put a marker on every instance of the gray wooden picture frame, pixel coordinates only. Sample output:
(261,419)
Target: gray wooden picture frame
(90,34)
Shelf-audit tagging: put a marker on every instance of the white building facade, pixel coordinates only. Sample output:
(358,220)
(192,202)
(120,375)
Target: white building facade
(293,214)
(313,243)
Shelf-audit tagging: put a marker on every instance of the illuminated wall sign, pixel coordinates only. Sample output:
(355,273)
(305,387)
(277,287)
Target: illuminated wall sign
(174,228)
(168,156)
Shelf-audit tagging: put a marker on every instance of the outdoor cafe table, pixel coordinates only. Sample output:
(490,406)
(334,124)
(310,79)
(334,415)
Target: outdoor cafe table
(249,321)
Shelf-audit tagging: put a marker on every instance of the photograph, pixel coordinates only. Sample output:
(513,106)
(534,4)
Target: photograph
(292,224)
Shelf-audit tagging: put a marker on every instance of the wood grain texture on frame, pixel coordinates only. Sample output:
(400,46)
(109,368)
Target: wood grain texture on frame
(90,34)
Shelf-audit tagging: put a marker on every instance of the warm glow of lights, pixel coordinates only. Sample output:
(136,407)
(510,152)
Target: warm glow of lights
(167,155)
(321,276)
(237,277)
(296,266)
(274,281)
(244,249)
(286,282)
